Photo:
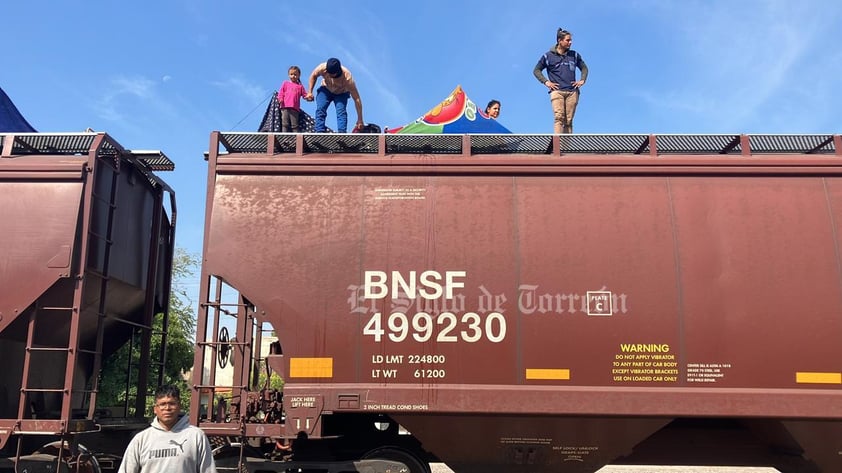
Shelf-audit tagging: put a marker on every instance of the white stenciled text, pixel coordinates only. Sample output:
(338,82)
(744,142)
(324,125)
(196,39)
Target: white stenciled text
(427,285)
(446,327)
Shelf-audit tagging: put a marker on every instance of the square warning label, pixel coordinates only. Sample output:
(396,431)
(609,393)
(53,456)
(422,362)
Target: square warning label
(600,303)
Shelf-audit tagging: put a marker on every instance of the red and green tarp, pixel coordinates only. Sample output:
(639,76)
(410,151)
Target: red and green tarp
(455,114)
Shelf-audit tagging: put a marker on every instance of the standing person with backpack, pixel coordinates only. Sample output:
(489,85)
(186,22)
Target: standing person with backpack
(561,63)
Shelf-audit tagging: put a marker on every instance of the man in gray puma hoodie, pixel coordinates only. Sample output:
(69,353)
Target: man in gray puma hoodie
(170,444)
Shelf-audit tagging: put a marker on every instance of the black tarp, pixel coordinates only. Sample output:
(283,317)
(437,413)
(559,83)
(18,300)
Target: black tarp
(271,122)
(10,118)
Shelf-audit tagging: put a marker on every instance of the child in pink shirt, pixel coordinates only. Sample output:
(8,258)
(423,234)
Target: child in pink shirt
(289,98)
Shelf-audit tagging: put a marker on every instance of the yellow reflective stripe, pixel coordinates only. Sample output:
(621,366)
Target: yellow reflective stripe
(311,367)
(540,373)
(818,378)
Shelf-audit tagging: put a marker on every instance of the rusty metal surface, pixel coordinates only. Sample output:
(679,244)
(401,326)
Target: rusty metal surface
(88,243)
(630,283)
(693,267)
(39,251)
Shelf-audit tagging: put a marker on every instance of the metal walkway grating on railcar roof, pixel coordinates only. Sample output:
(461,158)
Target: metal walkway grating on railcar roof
(725,144)
(698,144)
(509,144)
(153,159)
(424,144)
(79,144)
(810,144)
(603,144)
(285,143)
(42,143)
(245,142)
(340,143)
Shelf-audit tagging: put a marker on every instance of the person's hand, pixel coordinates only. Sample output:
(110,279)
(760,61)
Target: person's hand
(578,83)
(551,85)
(358,127)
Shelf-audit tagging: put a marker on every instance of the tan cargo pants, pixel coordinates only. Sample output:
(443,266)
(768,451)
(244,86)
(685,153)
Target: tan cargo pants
(564,107)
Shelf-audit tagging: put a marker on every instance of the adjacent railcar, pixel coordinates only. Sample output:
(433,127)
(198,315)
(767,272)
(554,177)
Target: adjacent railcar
(526,303)
(87,247)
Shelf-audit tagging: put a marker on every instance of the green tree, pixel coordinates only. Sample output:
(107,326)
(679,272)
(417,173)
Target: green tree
(180,346)
(275,380)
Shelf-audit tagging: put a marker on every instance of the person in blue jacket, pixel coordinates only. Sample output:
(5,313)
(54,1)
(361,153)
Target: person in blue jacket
(561,63)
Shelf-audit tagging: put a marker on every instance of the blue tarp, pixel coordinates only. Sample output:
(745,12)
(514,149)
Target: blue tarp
(10,117)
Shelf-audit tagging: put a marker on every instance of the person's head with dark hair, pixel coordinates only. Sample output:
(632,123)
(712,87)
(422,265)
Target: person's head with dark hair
(167,405)
(563,39)
(168,390)
(493,109)
(294,74)
(334,67)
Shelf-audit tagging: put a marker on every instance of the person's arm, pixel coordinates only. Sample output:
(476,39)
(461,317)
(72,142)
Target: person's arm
(584,76)
(205,461)
(537,72)
(314,76)
(358,104)
(131,462)
(303,93)
(542,64)
(281,95)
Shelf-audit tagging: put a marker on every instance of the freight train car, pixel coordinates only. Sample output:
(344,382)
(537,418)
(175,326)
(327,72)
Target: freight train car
(87,247)
(526,303)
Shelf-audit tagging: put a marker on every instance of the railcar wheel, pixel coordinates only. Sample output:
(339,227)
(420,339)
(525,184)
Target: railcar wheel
(224,348)
(398,454)
(227,457)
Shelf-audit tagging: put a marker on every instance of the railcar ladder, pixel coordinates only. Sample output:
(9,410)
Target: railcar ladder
(73,350)
(221,346)
(29,408)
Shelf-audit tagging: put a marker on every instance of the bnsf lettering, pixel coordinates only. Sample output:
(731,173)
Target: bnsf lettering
(427,285)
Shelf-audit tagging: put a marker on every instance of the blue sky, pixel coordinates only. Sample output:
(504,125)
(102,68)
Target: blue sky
(164,74)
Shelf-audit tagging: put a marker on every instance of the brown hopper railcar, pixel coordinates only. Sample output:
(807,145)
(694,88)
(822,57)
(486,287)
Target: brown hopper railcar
(524,303)
(87,247)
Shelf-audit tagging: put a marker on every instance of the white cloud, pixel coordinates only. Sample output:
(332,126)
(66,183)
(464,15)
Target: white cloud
(739,59)
(241,87)
(136,103)
(109,105)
